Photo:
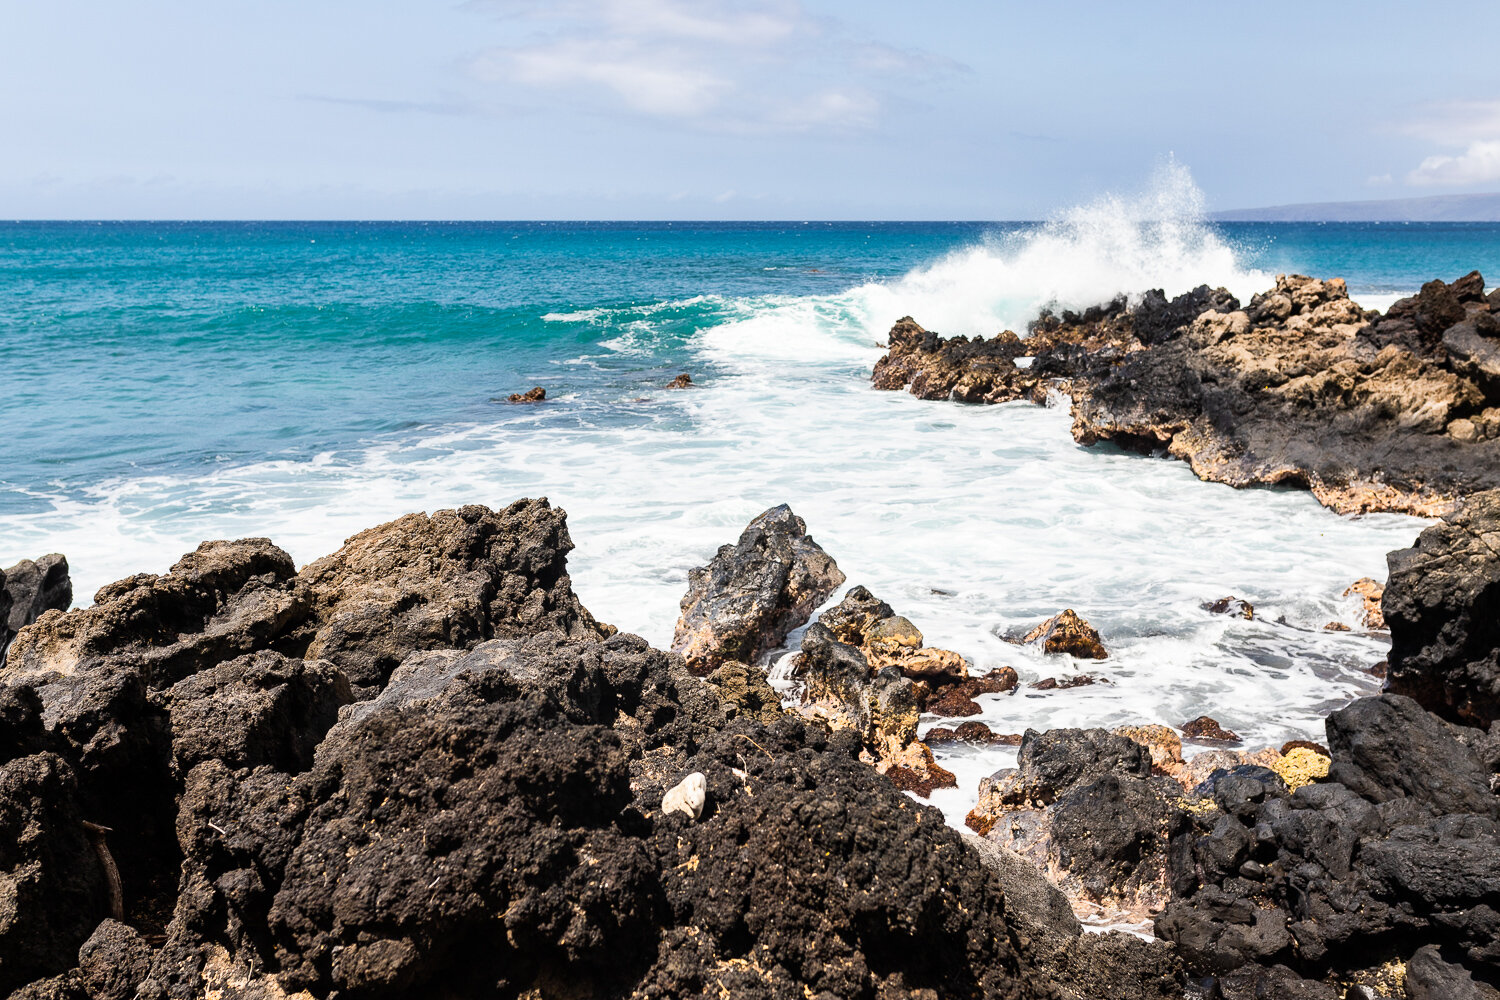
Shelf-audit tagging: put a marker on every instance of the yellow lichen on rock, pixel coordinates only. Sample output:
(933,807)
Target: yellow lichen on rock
(1301,766)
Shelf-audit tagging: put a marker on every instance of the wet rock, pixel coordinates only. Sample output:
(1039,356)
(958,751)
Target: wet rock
(686,797)
(954,703)
(1232,606)
(1067,633)
(1430,977)
(934,367)
(753,593)
(28,590)
(1370,592)
(974,732)
(1064,683)
(535,395)
(1205,728)
(683,381)
(113,962)
(1442,601)
(1301,387)
(1336,627)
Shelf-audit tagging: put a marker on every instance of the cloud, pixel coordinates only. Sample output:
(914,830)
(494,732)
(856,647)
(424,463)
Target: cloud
(722,65)
(1470,125)
(1479,164)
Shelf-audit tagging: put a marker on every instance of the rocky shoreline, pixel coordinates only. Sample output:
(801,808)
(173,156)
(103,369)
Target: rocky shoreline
(419,766)
(1299,387)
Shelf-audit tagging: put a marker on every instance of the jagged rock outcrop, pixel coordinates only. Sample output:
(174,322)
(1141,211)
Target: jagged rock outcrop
(1397,849)
(491,821)
(1442,605)
(453,579)
(865,668)
(1299,387)
(487,820)
(1084,806)
(1065,632)
(28,590)
(753,593)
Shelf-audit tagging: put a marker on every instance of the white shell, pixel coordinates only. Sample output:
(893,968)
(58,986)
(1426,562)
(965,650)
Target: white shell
(687,796)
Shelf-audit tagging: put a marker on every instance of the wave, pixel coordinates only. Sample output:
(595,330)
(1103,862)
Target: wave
(1113,245)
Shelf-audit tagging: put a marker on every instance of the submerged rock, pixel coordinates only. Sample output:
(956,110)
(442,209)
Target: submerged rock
(1232,606)
(683,381)
(1442,602)
(535,395)
(752,594)
(1205,728)
(1065,632)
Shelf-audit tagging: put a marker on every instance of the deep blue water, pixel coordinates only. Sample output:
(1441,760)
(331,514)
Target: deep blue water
(136,348)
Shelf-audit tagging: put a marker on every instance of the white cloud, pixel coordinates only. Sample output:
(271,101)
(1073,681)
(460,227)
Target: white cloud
(1479,164)
(724,65)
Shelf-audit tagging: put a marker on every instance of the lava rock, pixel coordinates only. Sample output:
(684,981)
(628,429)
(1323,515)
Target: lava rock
(753,593)
(1442,602)
(1065,632)
(1205,728)
(535,395)
(30,589)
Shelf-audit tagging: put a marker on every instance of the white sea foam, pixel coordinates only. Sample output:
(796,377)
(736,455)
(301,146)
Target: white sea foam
(974,522)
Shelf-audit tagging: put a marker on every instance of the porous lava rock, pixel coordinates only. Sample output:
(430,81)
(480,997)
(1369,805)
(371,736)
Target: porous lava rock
(491,822)
(1442,604)
(1066,632)
(1083,805)
(1395,850)
(753,593)
(28,590)
(449,580)
(1299,387)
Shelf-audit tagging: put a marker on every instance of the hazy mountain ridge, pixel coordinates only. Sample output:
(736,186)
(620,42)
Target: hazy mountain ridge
(1436,208)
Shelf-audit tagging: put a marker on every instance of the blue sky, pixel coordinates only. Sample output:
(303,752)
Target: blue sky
(767,109)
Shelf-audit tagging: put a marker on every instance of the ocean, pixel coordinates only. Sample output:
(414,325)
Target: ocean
(163,383)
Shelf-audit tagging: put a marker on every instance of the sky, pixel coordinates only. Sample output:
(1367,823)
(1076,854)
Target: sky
(728,109)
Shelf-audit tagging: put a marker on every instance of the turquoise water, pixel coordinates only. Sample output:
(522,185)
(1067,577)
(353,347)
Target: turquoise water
(146,347)
(165,383)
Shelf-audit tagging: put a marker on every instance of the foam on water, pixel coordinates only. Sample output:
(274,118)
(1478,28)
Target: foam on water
(974,522)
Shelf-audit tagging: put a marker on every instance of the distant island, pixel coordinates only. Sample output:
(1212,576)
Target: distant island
(1437,208)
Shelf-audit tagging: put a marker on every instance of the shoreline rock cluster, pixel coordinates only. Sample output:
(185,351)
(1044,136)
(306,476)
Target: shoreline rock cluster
(420,766)
(1299,387)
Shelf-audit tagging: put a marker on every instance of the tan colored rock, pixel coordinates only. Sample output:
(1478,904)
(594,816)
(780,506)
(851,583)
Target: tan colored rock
(1163,742)
(1370,592)
(1067,633)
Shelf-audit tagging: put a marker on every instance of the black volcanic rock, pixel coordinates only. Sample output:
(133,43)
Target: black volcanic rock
(753,593)
(1442,604)
(28,590)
